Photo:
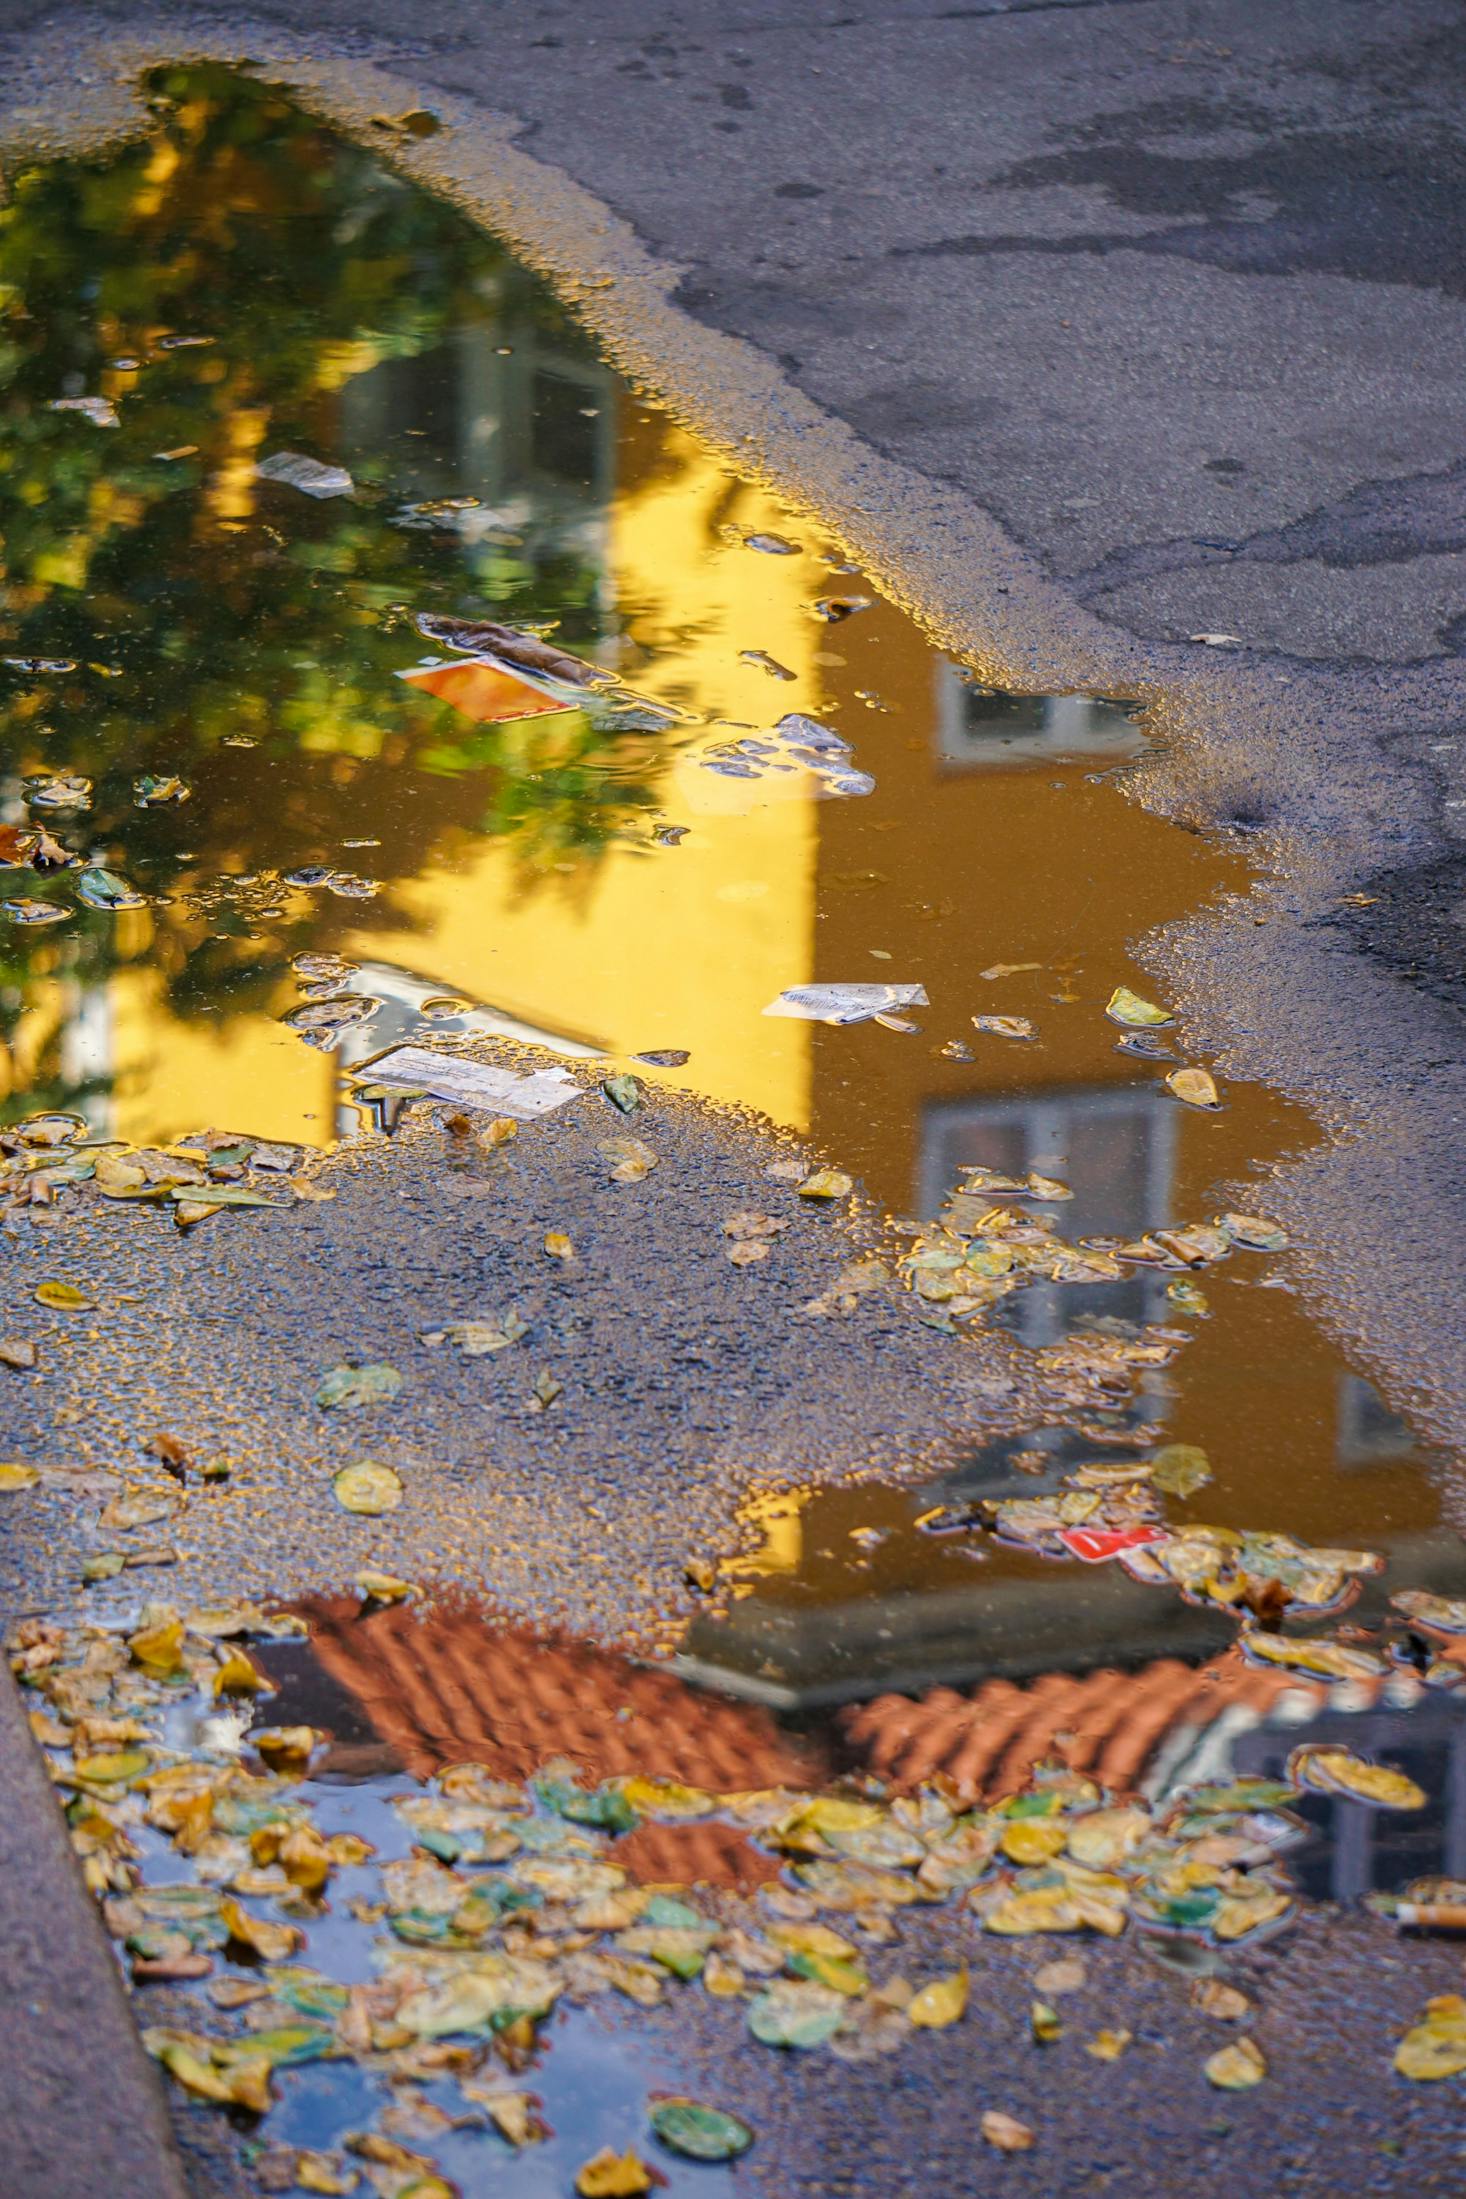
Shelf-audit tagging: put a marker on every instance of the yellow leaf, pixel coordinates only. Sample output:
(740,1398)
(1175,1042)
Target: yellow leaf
(612,2175)
(558,1245)
(285,1748)
(368,1489)
(1108,2046)
(15,1476)
(271,1942)
(237,1676)
(1032,1839)
(64,1298)
(158,1647)
(1236,2068)
(1197,1087)
(1436,2046)
(1126,1007)
(382,1587)
(940,2003)
(826,1183)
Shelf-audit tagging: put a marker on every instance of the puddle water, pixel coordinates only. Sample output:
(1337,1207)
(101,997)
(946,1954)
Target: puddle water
(218,695)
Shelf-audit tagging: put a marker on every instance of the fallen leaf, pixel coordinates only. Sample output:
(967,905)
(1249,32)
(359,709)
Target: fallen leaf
(64,1298)
(612,2175)
(630,1160)
(1214,1997)
(702,2133)
(623,1092)
(383,1588)
(1179,1469)
(350,1387)
(368,1489)
(256,1935)
(1340,1771)
(1005,2132)
(558,1245)
(941,2002)
(1435,2047)
(1197,1087)
(13,1475)
(1005,1026)
(1235,2068)
(1128,1008)
(16,1352)
(1108,2046)
(826,1183)
(1045,2023)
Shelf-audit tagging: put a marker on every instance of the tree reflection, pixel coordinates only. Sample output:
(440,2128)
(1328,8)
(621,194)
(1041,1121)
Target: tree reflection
(240,634)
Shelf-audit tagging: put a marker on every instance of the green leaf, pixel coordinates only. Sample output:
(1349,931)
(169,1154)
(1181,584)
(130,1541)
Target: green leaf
(702,2133)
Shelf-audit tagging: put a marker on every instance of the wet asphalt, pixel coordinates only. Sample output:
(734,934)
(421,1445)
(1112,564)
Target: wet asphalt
(1097,327)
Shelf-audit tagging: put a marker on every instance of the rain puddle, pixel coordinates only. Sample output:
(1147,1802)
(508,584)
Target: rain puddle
(284,434)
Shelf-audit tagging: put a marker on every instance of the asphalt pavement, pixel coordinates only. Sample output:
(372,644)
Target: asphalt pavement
(1097,328)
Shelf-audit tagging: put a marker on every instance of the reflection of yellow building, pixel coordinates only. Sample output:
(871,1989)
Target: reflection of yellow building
(679,947)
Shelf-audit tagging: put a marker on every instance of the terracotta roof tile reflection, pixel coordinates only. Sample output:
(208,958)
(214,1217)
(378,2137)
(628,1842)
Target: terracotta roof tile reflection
(446,1686)
(1107,1723)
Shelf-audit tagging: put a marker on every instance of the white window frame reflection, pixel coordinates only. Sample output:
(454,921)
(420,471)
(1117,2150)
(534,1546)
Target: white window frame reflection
(1045,1122)
(1067,725)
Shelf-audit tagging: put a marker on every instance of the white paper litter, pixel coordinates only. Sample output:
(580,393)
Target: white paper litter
(306,474)
(474,1083)
(845,1003)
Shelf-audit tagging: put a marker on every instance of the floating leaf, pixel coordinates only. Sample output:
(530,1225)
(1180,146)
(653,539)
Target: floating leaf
(1197,1087)
(24,911)
(238,1676)
(1339,1771)
(256,1935)
(702,2133)
(1326,1659)
(15,1476)
(1447,1614)
(1180,1469)
(1128,1008)
(1005,2132)
(384,1588)
(624,1092)
(826,1183)
(558,1245)
(1045,2023)
(1214,1997)
(1235,2068)
(16,1352)
(104,1566)
(64,1298)
(286,1748)
(1254,1232)
(612,2175)
(103,889)
(1435,2047)
(155,787)
(369,1489)
(941,2002)
(1005,1026)
(350,1387)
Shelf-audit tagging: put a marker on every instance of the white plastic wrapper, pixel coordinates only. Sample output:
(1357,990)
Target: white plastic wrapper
(306,474)
(524,1095)
(846,1003)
